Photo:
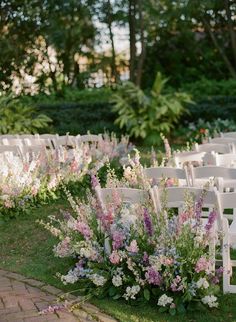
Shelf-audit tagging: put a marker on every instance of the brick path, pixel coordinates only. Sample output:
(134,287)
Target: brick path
(21,299)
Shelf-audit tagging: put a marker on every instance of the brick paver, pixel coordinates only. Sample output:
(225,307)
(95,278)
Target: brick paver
(22,299)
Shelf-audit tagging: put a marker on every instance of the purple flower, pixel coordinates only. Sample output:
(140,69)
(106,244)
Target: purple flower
(211,219)
(198,208)
(145,258)
(117,239)
(147,222)
(153,277)
(94,181)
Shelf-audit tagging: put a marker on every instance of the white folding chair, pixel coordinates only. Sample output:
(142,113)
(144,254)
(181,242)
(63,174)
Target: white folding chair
(64,140)
(159,173)
(183,158)
(175,197)
(226,177)
(227,201)
(12,149)
(11,141)
(89,138)
(224,160)
(216,147)
(126,195)
(228,134)
(225,140)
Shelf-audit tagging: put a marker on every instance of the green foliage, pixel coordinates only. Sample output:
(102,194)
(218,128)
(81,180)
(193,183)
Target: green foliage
(145,116)
(199,130)
(204,88)
(16,118)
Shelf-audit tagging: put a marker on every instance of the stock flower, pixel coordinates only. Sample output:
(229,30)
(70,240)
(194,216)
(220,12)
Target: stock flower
(117,280)
(97,279)
(117,239)
(202,264)
(133,247)
(211,220)
(164,300)
(210,300)
(202,283)
(147,222)
(153,276)
(84,229)
(114,258)
(131,292)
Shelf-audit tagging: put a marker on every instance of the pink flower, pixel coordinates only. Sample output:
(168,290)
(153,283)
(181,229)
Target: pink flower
(133,247)
(202,265)
(118,239)
(168,261)
(84,229)
(153,276)
(114,258)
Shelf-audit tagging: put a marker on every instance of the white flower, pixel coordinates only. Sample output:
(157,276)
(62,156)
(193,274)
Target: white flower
(202,283)
(97,279)
(117,280)
(164,300)
(210,300)
(71,277)
(131,292)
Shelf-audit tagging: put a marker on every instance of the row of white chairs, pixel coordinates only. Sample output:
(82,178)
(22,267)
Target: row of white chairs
(222,177)
(175,199)
(22,145)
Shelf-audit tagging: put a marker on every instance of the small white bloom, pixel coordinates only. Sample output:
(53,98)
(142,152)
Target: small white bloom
(202,283)
(97,279)
(210,300)
(117,280)
(131,292)
(164,300)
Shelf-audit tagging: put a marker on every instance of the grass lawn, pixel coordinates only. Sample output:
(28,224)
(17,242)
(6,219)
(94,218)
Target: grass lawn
(26,248)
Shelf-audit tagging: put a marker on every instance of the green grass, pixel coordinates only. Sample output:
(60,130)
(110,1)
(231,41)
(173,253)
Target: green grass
(26,248)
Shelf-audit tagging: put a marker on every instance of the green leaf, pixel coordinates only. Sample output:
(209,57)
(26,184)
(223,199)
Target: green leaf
(172,311)
(146,294)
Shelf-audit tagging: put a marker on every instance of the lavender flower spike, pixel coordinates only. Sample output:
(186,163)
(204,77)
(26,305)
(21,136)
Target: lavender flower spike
(147,222)
(211,219)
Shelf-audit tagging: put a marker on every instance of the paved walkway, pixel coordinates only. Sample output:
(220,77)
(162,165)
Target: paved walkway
(21,299)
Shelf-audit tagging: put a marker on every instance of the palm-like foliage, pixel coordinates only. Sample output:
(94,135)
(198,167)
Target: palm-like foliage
(146,116)
(17,118)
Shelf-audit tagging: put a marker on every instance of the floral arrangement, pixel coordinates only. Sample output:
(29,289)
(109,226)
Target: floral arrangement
(38,177)
(130,252)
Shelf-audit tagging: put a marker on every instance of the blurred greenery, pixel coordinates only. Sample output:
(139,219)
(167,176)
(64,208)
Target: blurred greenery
(17,118)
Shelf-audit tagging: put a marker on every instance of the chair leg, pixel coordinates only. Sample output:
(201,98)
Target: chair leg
(226,258)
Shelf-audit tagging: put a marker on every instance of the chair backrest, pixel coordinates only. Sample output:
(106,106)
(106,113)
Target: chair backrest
(26,136)
(35,142)
(29,152)
(183,158)
(228,134)
(224,160)
(64,140)
(226,200)
(158,173)
(10,148)
(175,196)
(225,140)
(216,147)
(126,195)
(211,171)
(89,138)
(12,141)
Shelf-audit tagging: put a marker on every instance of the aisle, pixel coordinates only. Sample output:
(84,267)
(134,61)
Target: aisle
(21,299)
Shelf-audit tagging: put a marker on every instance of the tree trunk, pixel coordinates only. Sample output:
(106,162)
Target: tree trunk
(143,46)
(219,48)
(231,29)
(132,38)
(113,52)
